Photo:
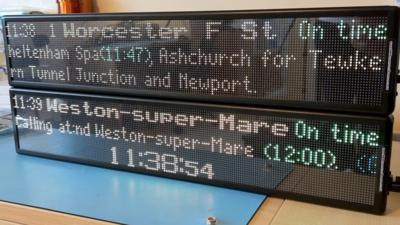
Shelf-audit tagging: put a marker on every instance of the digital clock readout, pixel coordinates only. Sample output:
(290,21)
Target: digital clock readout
(167,163)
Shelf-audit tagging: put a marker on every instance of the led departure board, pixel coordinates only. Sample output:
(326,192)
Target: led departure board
(333,59)
(340,160)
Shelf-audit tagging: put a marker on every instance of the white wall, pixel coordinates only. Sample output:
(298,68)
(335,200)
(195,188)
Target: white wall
(48,6)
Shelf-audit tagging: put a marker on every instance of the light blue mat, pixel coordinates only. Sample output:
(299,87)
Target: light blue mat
(117,196)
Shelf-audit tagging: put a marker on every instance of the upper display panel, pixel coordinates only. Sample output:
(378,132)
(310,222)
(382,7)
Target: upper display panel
(334,59)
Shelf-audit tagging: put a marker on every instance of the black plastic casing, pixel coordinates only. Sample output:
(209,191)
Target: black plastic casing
(381,186)
(388,101)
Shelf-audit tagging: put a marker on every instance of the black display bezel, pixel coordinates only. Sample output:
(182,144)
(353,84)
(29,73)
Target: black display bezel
(378,207)
(388,97)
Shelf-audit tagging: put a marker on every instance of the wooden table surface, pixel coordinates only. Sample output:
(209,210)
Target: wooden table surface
(274,211)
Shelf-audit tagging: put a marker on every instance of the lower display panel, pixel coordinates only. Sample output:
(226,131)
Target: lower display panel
(338,160)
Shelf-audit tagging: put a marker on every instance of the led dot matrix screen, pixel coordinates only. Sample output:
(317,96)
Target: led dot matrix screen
(339,160)
(331,59)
